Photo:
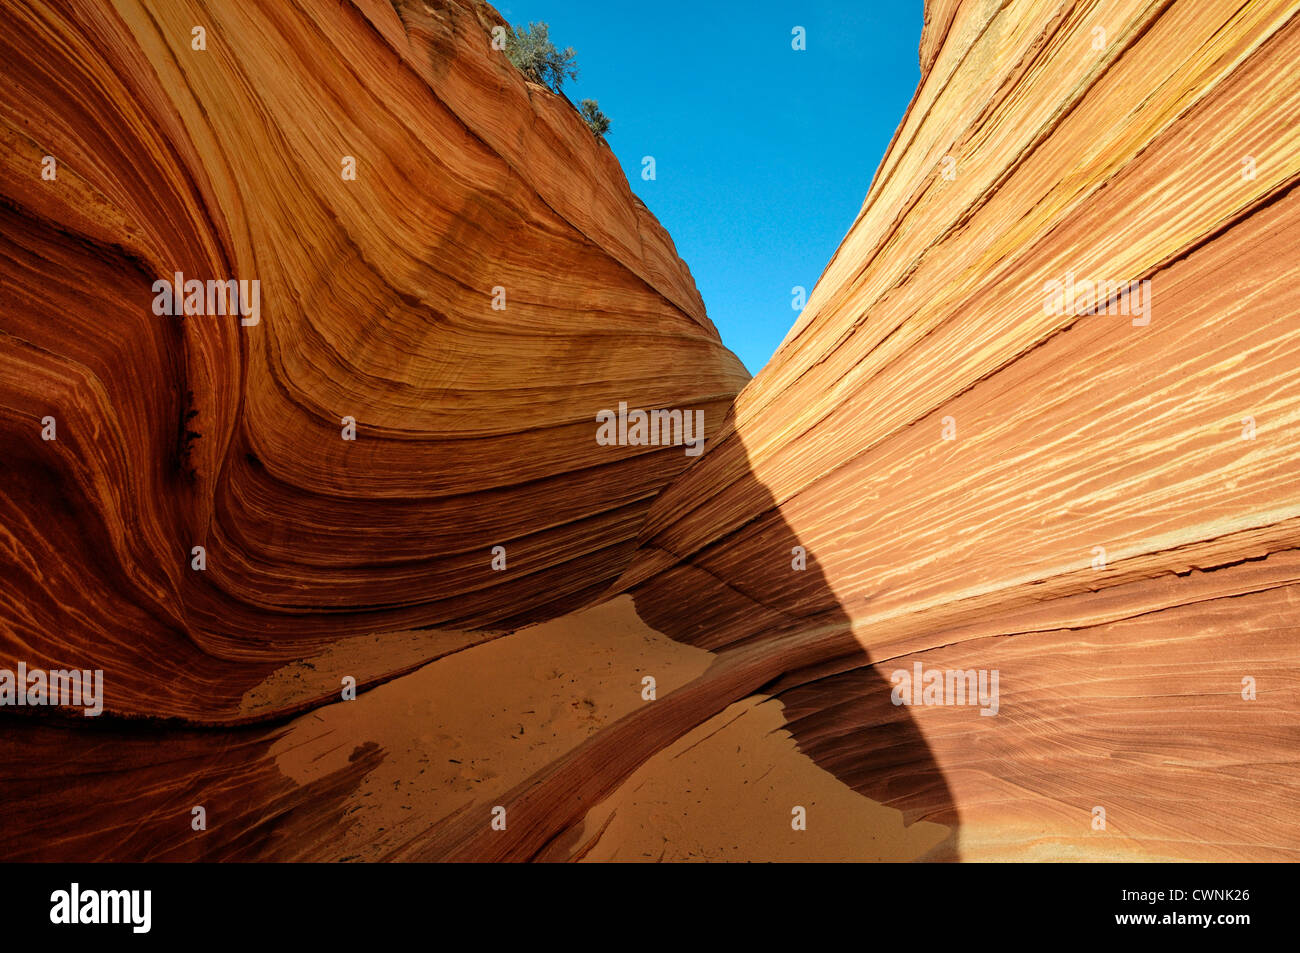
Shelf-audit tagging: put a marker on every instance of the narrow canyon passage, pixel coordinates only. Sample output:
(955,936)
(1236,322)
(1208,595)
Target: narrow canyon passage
(997,558)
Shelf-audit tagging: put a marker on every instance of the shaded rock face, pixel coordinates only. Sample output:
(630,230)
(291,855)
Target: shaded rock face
(464,304)
(952,462)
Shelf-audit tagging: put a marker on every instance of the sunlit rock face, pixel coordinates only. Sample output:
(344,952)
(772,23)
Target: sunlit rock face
(957,462)
(438,260)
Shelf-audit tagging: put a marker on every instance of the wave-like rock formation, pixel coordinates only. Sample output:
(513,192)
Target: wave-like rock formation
(452,271)
(955,460)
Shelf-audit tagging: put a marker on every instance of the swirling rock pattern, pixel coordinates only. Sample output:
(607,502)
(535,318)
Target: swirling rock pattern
(471,299)
(936,468)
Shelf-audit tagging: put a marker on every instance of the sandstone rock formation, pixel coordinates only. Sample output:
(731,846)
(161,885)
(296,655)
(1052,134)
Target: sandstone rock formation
(937,467)
(484,285)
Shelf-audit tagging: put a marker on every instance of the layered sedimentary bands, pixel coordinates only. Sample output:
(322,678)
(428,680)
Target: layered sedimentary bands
(954,462)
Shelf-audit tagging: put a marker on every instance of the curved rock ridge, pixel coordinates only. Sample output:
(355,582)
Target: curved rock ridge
(448,264)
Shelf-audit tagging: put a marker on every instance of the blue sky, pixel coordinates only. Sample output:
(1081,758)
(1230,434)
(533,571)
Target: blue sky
(763,154)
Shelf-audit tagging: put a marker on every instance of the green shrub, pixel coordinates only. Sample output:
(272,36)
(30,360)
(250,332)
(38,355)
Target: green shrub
(531,50)
(596,120)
